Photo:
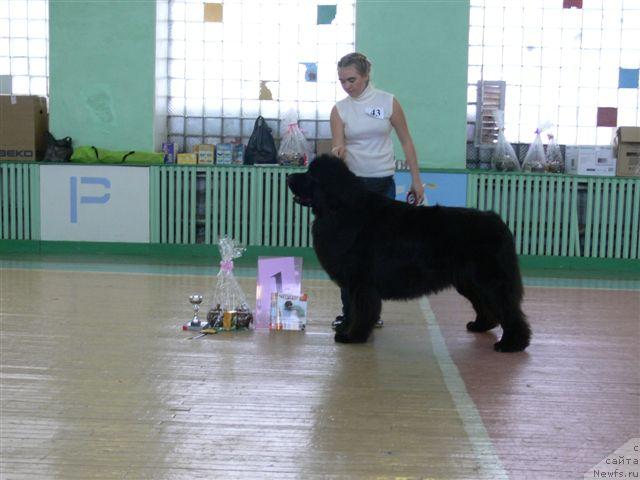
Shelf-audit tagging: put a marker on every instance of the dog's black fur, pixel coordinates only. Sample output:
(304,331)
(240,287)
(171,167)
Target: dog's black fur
(380,249)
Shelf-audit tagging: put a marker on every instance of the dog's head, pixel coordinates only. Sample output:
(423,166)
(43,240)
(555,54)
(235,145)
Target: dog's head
(327,186)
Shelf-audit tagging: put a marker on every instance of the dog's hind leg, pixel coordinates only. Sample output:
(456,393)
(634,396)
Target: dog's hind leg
(495,305)
(516,332)
(364,309)
(504,307)
(484,319)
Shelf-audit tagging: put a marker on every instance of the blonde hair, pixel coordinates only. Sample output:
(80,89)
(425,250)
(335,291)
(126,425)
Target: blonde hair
(358,60)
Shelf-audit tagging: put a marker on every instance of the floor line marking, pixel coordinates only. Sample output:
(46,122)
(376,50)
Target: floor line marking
(490,464)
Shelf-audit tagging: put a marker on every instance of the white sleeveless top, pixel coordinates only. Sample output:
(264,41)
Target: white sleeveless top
(367,131)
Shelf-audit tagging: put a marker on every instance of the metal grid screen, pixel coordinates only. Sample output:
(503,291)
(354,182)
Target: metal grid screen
(24,47)
(230,62)
(571,63)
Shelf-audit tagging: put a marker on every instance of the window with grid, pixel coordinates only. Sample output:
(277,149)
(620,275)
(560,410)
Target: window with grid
(233,61)
(24,47)
(573,63)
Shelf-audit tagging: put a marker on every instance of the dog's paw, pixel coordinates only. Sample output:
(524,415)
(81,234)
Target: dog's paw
(509,346)
(480,326)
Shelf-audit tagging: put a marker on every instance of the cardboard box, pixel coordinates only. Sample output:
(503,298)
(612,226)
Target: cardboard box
(187,159)
(24,120)
(590,160)
(628,152)
(205,154)
(230,154)
(224,154)
(237,156)
(169,150)
(629,134)
(628,162)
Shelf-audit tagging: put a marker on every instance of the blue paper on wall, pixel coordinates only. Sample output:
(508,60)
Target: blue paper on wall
(310,72)
(628,77)
(326,14)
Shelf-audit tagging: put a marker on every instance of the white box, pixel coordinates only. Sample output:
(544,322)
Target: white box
(590,160)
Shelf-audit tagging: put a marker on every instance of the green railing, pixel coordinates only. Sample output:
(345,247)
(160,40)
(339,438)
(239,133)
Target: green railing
(563,215)
(20,201)
(191,204)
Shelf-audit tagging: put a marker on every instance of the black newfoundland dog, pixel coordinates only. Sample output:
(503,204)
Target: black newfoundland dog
(380,249)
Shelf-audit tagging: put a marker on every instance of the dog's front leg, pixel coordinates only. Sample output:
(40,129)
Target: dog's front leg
(364,310)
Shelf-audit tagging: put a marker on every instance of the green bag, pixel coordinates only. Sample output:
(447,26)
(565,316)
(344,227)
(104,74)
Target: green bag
(101,155)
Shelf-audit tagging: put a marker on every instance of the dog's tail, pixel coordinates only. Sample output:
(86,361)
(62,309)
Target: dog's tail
(508,261)
(516,329)
(516,332)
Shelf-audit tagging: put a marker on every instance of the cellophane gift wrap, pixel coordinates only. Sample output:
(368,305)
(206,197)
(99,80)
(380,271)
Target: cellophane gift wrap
(229,309)
(294,149)
(504,157)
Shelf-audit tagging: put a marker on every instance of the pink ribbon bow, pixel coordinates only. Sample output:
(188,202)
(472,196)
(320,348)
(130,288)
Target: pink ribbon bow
(226,266)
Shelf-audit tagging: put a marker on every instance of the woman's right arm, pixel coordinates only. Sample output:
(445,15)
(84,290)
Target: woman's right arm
(337,134)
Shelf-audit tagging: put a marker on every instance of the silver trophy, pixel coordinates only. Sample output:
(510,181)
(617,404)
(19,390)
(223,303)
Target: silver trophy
(195,300)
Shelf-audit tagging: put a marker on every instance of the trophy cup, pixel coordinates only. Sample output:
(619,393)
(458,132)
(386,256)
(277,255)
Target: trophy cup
(195,300)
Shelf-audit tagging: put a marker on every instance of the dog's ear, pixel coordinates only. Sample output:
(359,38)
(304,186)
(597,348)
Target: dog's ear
(325,202)
(318,203)
(339,186)
(345,192)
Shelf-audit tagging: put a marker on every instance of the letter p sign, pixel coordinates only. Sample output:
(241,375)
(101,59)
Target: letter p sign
(74,200)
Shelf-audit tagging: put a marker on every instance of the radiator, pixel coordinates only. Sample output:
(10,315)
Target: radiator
(563,215)
(549,215)
(20,201)
(251,204)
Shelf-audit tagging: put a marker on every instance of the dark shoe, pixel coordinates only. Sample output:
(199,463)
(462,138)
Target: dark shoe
(340,320)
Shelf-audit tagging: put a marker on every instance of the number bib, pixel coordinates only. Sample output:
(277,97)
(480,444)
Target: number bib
(375,112)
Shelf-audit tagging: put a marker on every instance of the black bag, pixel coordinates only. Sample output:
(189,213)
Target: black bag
(57,150)
(261,148)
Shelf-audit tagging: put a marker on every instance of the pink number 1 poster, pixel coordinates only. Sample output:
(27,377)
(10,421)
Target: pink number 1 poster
(275,274)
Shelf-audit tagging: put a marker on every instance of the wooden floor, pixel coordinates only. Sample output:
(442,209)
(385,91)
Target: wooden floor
(98,381)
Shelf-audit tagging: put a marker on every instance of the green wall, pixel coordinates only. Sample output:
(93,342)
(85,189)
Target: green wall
(103,78)
(419,53)
(102,72)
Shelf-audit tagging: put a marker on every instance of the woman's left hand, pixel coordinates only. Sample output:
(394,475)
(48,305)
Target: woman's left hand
(418,190)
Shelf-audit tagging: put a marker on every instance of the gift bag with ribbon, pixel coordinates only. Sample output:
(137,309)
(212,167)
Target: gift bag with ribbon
(555,162)
(229,310)
(294,148)
(504,157)
(535,159)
